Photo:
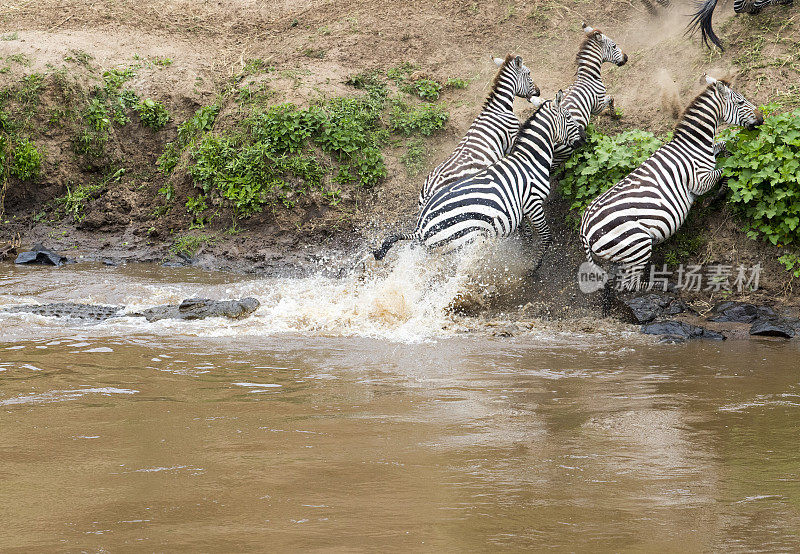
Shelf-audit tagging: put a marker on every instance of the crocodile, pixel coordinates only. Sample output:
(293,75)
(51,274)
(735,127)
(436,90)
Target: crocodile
(189,309)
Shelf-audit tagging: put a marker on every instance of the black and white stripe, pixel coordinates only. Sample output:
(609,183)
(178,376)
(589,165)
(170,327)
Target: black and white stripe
(648,4)
(648,206)
(587,95)
(491,135)
(494,201)
(702,17)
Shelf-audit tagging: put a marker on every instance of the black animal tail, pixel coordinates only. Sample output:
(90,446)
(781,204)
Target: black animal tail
(390,240)
(702,19)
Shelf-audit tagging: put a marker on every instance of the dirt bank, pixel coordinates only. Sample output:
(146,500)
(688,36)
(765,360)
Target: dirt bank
(236,54)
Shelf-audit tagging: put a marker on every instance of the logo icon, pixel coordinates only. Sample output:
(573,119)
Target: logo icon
(591,277)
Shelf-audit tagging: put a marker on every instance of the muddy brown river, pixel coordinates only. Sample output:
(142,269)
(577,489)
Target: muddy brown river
(353,415)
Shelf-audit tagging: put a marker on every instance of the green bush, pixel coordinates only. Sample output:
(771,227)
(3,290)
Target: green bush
(454,82)
(763,172)
(249,176)
(75,200)
(152,113)
(201,122)
(284,127)
(96,115)
(188,245)
(602,162)
(424,88)
(27,160)
(410,120)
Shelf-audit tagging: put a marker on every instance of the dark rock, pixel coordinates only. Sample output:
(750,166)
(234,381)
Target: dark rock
(41,255)
(772,327)
(740,312)
(680,330)
(650,306)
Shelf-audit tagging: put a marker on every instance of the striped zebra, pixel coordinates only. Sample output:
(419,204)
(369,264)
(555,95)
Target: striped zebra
(622,225)
(702,17)
(648,4)
(587,95)
(491,135)
(494,201)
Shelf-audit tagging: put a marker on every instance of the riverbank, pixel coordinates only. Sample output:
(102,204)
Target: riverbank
(106,190)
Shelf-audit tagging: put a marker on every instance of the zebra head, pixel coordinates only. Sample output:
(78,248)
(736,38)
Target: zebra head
(736,109)
(523,83)
(565,130)
(609,50)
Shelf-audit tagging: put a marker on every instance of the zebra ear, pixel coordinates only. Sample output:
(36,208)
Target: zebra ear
(710,80)
(587,29)
(518,61)
(559,98)
(536,101)
(498,61)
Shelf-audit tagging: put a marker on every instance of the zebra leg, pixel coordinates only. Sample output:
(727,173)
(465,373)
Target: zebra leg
(526,229)
(536,217)
(721,150)
(707,181)
(609,294)
(651,9)
(609,105)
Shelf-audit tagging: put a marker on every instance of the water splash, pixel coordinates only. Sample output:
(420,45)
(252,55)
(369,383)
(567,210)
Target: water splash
(410,297)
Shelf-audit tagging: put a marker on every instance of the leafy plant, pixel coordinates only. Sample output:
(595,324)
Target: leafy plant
(74,202)
(423,120)
(426,89)
(456,83)
(32,86)
(152,113)
(763,172)
(188,245)
(188,131)
(27,160)
(96,115)
(168,191)
(79,56)
(21,59)
(601,162)
(115,78)
(400,74)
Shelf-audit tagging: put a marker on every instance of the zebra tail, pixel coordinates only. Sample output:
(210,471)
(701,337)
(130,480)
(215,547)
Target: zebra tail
(702,19)
(380,253)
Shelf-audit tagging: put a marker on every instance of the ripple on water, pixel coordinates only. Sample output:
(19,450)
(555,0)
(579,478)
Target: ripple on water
(63,395)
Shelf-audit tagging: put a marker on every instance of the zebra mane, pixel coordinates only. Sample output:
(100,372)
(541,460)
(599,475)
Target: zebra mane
(682,123)
(528,123)
(585,45)
(496,80)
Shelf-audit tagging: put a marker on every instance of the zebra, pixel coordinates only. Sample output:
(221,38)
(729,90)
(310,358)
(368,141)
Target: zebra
(494,201)
(648,4)
(491,135)
(622,225)
(702,17)
(587,95)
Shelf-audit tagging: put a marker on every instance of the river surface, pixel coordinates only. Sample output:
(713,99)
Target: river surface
(351,415)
